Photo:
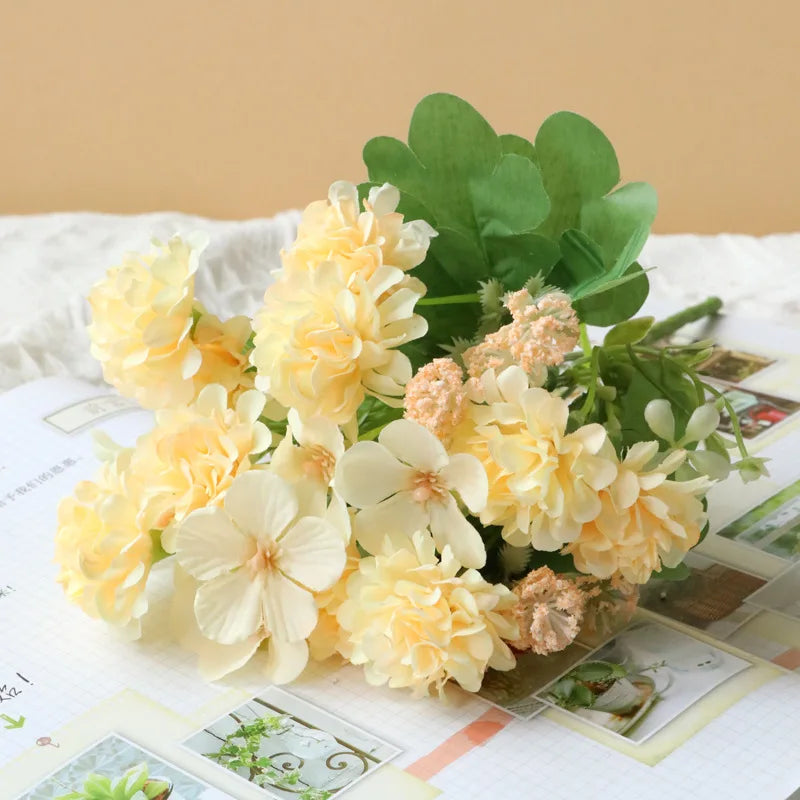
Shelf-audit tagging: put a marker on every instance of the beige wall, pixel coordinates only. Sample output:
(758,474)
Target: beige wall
(246,107)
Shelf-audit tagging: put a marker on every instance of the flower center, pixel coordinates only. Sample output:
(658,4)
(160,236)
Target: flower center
(427,486)
(263,560)
(319,463)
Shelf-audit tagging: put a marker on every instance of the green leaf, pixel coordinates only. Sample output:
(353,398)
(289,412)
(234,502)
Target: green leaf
(481,188)
(519,145)
(389,160)
(616,301)
(651,380)
(581,262)
(595,671)
(516,258)
(612,220)
(629,332)
(460,257)
(679,573)
(511,200)
(578,165)
(449,143)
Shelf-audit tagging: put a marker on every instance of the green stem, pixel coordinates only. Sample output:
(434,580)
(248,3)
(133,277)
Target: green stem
(158,552)
(668,326)
(586,345)
(592,387)
(452,299)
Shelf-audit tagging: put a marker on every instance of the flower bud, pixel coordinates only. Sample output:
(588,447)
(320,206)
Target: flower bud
(703,422)
(660,419)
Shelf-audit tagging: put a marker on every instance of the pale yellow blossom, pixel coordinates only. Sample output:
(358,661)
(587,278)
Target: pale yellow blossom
(544,483)
(257,561)
(405,482)
(414,621)
(323,339)
(192,455)
(646,520)
(103,553)
(335,230)
(222,349)
(142,320)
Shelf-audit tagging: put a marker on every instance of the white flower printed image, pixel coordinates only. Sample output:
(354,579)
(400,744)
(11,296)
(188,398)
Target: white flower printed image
(404,483)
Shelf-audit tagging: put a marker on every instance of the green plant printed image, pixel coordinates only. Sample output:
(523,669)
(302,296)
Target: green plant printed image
(290,748)
(773,526)
(116,769)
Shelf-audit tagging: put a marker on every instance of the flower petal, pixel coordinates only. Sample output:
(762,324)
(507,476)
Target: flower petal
(449,526)
(250,405)
(261,504)
(289,610)
(214,660)
(703,422)
(467,476)
(207,544)
(414,445)
(368,473)
(228,608)
(398,518)
(285,660)
(312,553)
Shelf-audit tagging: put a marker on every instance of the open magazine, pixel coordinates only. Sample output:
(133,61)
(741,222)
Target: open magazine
(707,672)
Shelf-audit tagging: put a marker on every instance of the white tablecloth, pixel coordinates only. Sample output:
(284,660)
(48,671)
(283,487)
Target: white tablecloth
(49,262)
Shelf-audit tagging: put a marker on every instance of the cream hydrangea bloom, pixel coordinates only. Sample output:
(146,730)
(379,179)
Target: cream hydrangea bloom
(544,483)
(193,454)
(258,560)
(404,483)
(141,323)
(645,520)
(413,621)
(104,555)
(334,230)
(324,339)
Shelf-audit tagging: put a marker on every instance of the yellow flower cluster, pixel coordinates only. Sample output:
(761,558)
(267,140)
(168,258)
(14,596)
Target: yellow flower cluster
(414,621)
(645,520)
(103,553)
(154,342)
(188,461)
(332,322)
(554,490)
(359,241)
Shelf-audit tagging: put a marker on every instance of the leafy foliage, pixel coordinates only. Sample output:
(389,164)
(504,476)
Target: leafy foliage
(133,784)
(508,208)
(240,750)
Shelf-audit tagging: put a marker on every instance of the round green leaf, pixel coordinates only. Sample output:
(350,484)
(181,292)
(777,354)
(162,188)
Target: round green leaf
(578,164)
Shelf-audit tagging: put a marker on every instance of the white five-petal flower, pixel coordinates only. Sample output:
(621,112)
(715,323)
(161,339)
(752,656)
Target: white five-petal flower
(257,561)
(319,444)
(404,483)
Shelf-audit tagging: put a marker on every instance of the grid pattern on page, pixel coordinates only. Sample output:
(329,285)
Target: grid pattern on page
(760,732)
(55,662)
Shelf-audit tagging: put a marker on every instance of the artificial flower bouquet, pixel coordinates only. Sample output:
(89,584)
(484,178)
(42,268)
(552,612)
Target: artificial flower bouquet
(416,456)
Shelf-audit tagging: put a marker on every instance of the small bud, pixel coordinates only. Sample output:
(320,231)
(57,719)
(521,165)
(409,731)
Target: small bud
(752,468)
(660,419)
(703,422)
